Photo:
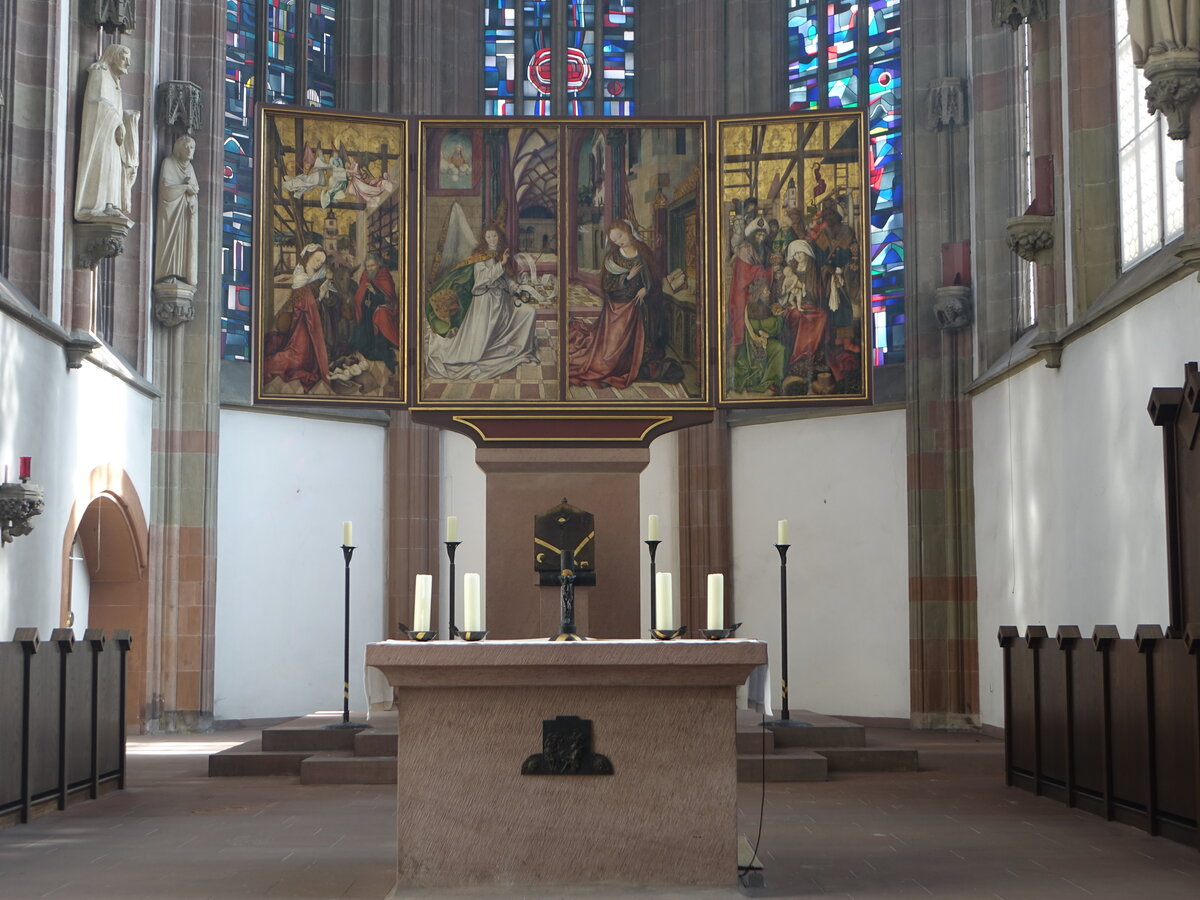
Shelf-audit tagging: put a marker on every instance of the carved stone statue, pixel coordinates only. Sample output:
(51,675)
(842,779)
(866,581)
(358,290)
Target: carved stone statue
(108,143)
(176,252)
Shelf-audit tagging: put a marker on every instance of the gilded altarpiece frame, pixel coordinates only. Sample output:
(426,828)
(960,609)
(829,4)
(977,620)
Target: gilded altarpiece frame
(331,258)
(793,268)
(561,264)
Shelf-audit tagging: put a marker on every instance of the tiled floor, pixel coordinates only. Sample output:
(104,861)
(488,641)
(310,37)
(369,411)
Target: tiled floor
(951,830)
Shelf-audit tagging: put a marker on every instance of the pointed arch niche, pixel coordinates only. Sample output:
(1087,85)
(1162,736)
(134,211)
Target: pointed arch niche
(105,580)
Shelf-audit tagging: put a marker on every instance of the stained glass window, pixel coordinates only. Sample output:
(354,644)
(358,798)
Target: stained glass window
(843,53)
(518,57)
(1151,195)
(264,63)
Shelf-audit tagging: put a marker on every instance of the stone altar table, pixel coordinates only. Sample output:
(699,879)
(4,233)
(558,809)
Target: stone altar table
(471,714)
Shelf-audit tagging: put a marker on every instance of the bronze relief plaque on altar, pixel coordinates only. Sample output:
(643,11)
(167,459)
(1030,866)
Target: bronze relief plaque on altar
(567,750)
(793,261)
(330,275)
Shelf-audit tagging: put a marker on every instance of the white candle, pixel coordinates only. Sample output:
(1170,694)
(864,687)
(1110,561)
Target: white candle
(451,528)
(423,592)
(664,618)
(472,608)
(652,528)
(781,536)
(716,601)
(347,534)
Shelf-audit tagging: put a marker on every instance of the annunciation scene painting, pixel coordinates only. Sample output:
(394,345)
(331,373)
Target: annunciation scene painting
(331,215)
(561,263)
(790,247)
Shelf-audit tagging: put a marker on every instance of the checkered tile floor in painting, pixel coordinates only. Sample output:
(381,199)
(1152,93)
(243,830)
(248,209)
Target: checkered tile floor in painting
(539,381)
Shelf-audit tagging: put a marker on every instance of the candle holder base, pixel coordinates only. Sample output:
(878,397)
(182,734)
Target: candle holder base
(472,635)
(718,634)
(419,635)
(568,636)
(664,635)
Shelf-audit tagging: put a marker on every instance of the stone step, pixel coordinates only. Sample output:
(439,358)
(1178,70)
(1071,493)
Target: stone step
(783,765)
(341,767)
(750,739)
(311,733)
(870,759)
(250,759)
(374,742)
(809,729)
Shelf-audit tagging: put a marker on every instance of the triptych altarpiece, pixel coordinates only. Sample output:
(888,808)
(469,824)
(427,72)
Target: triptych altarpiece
(568,264)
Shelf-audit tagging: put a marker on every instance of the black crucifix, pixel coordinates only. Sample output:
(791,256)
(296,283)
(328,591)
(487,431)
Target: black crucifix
(563,545)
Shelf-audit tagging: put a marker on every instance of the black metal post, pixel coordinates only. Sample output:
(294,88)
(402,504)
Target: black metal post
(347,554)
(451,630)
(783,629)
(652,546)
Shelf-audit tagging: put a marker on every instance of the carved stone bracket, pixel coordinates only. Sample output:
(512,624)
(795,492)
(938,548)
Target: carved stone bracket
(78,347)
(952,307)
(1031,237)
(111,15)
(1174,77)
(1049,348)
(95,241)
(173,302)
(19,502)
(1015,13)
(179,104)
(946,104)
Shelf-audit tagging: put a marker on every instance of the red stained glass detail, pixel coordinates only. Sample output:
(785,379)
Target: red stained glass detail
(579,70)
(615,88)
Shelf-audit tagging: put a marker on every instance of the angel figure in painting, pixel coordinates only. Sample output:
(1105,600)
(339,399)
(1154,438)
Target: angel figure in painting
(108,142)
(296,350)
(478,328)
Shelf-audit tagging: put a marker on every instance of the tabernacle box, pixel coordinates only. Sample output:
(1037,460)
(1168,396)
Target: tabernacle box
(471,714)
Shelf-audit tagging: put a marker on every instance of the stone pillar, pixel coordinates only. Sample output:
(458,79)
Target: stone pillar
(941,591)
(438,58)
(705,516)
(413,475)
(183,519)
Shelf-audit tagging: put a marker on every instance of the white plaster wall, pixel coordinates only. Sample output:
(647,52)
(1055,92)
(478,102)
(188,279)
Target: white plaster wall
(1070,526)
(70,422)
(840,483)
(285,486)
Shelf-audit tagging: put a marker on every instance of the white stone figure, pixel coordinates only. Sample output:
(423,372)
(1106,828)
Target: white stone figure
(108,143)
(176,251)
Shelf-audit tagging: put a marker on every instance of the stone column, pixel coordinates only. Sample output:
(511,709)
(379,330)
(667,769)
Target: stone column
(183,520)
(941,591)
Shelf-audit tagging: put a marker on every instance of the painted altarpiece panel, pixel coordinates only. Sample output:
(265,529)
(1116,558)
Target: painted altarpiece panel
(790,260)
(597,227)
(331,258)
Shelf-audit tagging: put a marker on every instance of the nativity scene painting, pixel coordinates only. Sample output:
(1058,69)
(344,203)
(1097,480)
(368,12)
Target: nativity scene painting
(790,260)
(525,228)
(330,318)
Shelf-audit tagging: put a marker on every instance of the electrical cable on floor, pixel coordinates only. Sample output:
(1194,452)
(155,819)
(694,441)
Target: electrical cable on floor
(743,871)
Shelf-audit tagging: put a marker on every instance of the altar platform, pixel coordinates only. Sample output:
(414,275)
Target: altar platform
(489,797)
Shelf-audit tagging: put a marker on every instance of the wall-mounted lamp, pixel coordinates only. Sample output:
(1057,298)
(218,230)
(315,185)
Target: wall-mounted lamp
(19,502)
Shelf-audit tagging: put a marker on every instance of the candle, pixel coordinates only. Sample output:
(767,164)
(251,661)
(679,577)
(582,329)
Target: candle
(781,536)
(347,534)
(716,601)
(472,608)
(451,528)
(423,591)
(25,466)
(663,607)
(652,528)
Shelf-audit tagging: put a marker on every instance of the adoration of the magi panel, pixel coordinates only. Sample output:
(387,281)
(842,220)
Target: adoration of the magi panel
(524,228)
(331,320)
(790,259)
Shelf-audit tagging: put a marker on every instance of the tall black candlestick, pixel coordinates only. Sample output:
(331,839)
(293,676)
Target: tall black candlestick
(783,549)
(652,546)
(347,553)
(451,630)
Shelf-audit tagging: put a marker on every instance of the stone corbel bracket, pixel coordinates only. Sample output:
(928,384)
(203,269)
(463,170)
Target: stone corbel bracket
(174,302)
(1031,237)
(19,503)
(111,15)
(1015,13)
(947,104)
(99,240)
(1174,76)
(1189,253)
(178,104)
(78,347)
(1049,348)
(952,307)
